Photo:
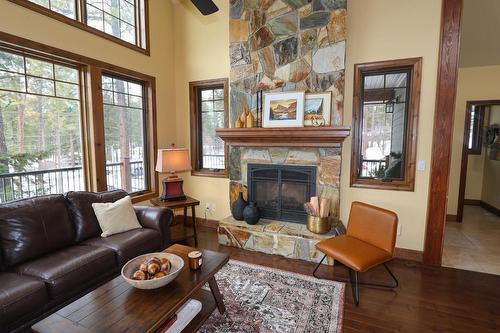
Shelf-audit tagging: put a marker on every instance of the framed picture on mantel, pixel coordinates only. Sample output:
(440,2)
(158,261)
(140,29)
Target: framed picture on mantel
(318,109)
(284,109)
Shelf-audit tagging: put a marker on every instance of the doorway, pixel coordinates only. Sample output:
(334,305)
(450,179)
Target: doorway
(479,135)
(472,239)
(453,35)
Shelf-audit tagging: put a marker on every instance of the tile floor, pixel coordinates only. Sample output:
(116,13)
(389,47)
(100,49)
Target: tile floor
(474,244)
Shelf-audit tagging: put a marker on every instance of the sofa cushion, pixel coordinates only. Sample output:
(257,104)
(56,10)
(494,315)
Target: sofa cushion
(71,269)
(84,219)
(116,217)
(20,296)
(130,244)
(32,227)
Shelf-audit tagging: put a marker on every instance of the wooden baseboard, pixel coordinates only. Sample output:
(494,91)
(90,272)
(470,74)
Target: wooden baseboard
(472,202)
(451,218)
(400,253)
(408,254)
(207,223)
(490,208)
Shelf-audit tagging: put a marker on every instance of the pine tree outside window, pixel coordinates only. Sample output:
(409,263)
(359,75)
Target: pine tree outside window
(72,123)
(40,127)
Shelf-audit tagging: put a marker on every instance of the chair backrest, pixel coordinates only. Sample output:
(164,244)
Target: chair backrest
(374,225)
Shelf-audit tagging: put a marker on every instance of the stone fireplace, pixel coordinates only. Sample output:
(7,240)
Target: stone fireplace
(281,190)
(309,171)
(286,45)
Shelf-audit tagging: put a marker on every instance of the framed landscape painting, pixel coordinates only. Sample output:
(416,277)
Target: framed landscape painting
(318,109)
(284,109)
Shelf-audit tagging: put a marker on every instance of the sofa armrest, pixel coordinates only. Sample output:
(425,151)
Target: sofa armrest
(156,218)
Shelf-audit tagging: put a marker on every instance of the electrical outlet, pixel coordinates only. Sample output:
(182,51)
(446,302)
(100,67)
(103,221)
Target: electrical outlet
(399,230)
(210,207)
(421,165)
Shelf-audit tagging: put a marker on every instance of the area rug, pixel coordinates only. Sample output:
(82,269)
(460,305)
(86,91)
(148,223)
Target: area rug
(260,299)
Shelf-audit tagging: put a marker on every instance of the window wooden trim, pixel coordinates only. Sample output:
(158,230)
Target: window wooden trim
(415,67)
(477,139)
(195,122)
(80,23)
(92,109)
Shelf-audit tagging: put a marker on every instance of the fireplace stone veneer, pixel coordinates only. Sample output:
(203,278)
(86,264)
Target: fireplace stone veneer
(291,240)
(326,160)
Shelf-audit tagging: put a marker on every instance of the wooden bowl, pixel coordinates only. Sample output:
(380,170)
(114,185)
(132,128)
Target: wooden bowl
(133,265)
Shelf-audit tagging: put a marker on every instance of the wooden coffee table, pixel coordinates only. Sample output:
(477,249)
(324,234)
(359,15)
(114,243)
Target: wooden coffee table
(116,306)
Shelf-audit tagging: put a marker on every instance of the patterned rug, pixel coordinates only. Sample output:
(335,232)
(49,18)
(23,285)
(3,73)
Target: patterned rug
(263,300)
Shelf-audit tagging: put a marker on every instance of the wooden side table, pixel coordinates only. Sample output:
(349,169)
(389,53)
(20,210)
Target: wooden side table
(185,204)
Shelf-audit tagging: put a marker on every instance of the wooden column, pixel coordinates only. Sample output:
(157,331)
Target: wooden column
(443,130)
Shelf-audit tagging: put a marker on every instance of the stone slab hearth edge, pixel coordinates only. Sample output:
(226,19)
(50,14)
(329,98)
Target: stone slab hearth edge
(291,240)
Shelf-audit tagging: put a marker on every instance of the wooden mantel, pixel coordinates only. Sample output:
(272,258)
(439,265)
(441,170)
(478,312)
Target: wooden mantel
(285,136)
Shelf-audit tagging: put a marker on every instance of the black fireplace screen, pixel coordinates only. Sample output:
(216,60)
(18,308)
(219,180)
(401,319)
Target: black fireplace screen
(280,191)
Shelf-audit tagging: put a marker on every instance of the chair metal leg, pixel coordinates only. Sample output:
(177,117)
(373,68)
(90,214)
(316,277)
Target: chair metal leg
(396,282)
(383,286)
(355,283)
(318,266)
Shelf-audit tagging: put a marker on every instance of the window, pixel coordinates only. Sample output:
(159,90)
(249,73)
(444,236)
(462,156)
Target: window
(124,132)
(209,108)
(475,124)
(64,7)
(114,17)
(123,21)
(70,123)
(40,133)
(385,124)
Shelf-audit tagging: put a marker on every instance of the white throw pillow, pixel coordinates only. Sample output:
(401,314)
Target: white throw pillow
(116,217)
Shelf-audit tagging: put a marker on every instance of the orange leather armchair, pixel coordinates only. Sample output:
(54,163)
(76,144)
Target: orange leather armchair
(370,241)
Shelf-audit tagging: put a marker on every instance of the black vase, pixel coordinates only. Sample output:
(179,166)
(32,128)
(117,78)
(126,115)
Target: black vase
(238,207)
(251,213)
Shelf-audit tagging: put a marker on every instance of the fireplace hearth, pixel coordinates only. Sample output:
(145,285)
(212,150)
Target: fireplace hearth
(281,190)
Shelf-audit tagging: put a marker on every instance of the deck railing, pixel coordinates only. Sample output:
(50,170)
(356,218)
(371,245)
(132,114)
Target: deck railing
(22,185)
(373,168)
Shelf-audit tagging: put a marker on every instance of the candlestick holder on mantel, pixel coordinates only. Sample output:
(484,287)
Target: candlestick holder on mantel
(246,119)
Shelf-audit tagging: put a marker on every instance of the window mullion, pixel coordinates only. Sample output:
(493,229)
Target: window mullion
(98,153)
(82,11)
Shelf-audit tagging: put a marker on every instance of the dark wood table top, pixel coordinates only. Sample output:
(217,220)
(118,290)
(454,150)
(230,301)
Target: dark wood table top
(116,306)
(175,204)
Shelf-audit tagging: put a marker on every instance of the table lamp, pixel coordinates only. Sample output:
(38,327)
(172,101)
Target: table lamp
(173,160)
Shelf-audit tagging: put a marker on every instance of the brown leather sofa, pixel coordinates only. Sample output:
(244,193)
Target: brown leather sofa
(51,252)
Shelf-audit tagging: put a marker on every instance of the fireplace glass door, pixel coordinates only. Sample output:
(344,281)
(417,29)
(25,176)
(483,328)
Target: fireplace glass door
(280,191)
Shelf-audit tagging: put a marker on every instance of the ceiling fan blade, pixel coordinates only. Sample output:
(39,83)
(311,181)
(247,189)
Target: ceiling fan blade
(206,7)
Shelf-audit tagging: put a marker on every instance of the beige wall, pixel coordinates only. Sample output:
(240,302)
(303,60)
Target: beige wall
(201,52)
(474,178)
(491,175)
(411,31)
(201,48)
(474,83)
(25,23)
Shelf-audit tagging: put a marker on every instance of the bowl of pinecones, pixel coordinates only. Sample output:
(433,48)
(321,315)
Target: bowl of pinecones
(152,270)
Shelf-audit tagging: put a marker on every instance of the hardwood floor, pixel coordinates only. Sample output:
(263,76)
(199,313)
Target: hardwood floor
(429,299)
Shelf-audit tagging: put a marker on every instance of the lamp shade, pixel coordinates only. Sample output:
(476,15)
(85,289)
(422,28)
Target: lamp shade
(173,160)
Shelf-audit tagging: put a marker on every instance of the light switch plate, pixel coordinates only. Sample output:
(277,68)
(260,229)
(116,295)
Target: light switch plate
(421,165)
